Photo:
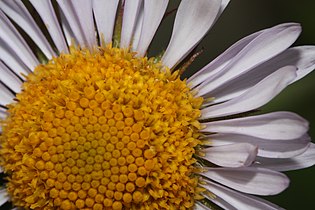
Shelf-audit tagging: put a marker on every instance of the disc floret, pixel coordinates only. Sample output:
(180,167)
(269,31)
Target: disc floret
(101,129)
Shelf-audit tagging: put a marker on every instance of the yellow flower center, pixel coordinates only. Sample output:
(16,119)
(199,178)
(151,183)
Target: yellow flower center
(101,130)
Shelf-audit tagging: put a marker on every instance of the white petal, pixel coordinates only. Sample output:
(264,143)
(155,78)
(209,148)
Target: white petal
(80,18)
(224,4)
(6,97)
(4,197)
(257,96)
(233,155)
(20,15)
(137,30)
(283,149)
(220,139)
(302,57)
(192,22)
(105,15)
(238,200)
(221,61)
(262,48)
(12,60)
(258,181)
(70,37)
(14,40)
(280,125)
(219,202)
(3,115)
(131,12)
(266,147)
(83,10)
(153,14)
(199,206)
(48,15)
(10,79)
(305,160)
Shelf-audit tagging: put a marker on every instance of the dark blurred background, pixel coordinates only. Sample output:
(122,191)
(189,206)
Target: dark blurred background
(241,18)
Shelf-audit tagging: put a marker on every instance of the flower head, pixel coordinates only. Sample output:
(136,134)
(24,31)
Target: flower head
(88,121)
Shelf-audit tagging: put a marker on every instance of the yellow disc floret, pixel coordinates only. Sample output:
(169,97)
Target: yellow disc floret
(101,130)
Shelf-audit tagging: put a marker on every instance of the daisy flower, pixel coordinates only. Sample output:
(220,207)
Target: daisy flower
(89,122)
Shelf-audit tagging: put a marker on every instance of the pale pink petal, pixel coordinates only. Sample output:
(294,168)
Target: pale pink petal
(192,22)
(221,61)
(220,202)
(199,206)
(6,96)
(258,181)
(20,15)
(8,56)
(305,160)
(280,125)
(152,16)
(137,31)
(283,149)
(80,18)
(257,96)
(221,139)
(266,147)
(14,40)
(224,4)
(48,15)
(70,37)
(303,57)
(236,199)
(3,115)
(105,16)
(131,12)
(4,197)
(233,155)
(264,47)
(9,79)
(70,23)
(83,10)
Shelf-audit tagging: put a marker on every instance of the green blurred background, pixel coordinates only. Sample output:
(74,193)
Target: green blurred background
(241,18)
